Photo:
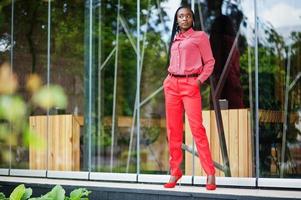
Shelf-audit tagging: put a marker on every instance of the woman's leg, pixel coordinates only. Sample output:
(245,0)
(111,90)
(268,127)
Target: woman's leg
(174,125)
(193,109)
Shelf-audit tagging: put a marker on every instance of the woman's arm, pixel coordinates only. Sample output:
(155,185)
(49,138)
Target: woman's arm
(207,58)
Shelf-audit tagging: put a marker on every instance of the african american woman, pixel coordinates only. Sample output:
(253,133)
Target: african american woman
(191,63)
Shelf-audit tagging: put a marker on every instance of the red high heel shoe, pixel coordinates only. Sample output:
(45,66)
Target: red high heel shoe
(172,184)
(210,186)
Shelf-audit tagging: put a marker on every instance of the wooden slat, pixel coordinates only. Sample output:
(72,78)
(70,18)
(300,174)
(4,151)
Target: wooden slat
(243,143)
(32,164)
(54,132)
(206,124)
(274,116)
(250,146)
(214,142)
(36,155)
(42,154)
(51,145)
(233,145)
(225,118)
(127,122)
(50,142)
(68,144)
(32,124)
(75,141)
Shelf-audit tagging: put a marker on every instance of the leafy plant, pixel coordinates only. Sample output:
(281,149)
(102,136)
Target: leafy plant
(2,196)
(20,193)
(57,193)
(79,194)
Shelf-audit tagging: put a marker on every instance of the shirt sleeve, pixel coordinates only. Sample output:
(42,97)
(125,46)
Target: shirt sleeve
(207,58)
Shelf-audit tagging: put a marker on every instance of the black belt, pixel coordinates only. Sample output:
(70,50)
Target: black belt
(183,75)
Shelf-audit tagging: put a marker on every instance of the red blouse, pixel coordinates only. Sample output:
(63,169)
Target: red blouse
(191,53)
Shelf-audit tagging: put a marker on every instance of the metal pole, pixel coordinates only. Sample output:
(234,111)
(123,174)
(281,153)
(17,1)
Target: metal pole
(115,87)
(138,88)
(99,124)
(256,95)
(90,85)
(48,79)
(11,65)
(220,128)
(283,147)
(193,142)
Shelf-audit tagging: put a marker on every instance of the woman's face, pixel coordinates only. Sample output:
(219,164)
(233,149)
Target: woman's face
(184,19)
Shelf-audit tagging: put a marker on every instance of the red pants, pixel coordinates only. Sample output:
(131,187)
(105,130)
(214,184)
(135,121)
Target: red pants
(180,94)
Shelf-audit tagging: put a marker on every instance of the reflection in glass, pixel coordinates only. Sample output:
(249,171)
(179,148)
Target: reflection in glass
(116,87)
(5,48)
(222,38)
(29,56)
(156,30)
(279,93)
(65,138)
(230,27)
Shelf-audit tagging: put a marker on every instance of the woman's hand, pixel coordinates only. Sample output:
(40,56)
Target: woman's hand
(199,83)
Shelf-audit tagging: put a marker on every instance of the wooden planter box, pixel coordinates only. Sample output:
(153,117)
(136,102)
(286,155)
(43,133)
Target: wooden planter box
(238,139)
(62,141)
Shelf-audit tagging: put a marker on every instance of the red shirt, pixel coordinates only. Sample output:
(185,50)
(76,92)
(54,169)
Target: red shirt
(191,53)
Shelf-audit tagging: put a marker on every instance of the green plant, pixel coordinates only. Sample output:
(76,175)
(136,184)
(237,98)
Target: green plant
(2,196)
(20,193)
(79,194)
(57,193)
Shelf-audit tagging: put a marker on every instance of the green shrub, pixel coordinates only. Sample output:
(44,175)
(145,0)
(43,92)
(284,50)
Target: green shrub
(57,193)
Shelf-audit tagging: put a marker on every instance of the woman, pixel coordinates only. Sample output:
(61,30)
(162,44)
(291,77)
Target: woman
(191,63)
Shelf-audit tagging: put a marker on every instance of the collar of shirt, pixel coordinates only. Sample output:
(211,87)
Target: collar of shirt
(186,34)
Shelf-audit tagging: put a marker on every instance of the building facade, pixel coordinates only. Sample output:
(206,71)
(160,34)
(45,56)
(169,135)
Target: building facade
(111,57)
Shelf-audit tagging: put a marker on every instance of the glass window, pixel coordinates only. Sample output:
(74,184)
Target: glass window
(230,26)
(279,88)
(30,57)
(112,100)
(114,141)
(156,24)
(66,125)
(5,47)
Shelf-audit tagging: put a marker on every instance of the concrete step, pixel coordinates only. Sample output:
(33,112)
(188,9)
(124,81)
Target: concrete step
(133,191)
